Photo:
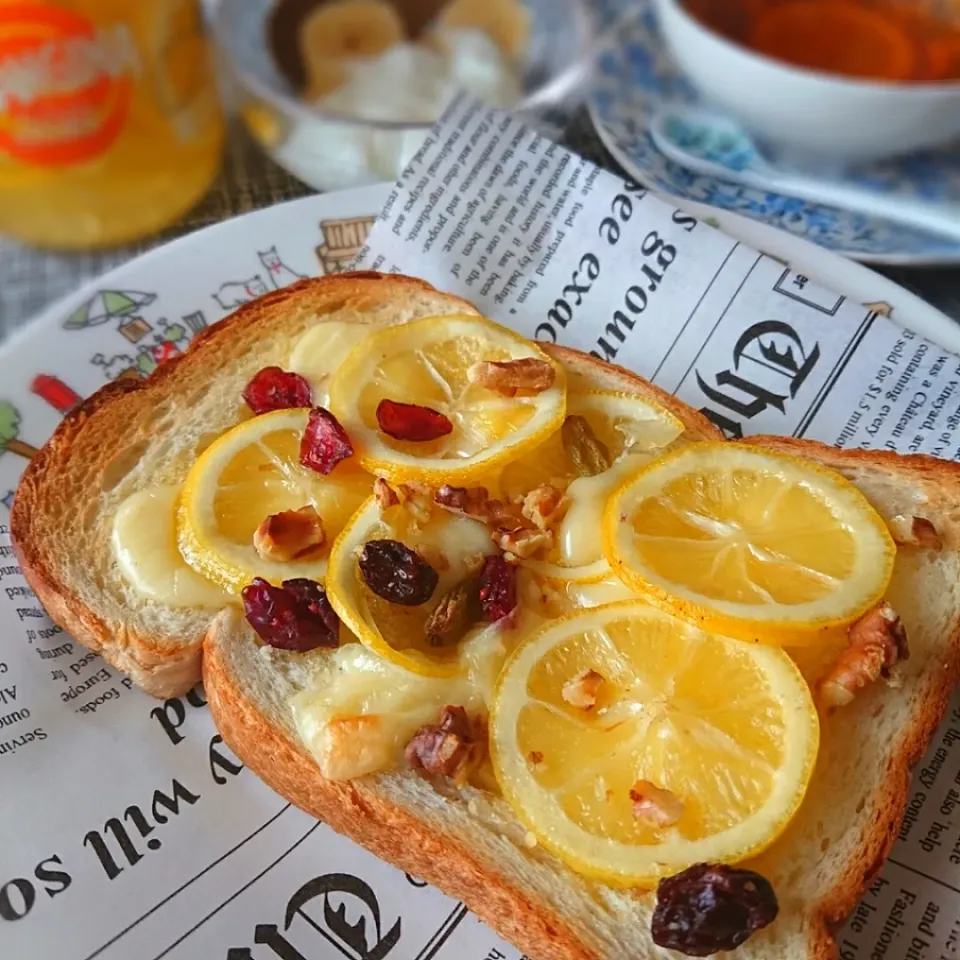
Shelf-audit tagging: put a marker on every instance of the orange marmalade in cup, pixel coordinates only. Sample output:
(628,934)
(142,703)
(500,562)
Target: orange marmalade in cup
(880,40)
(110,127)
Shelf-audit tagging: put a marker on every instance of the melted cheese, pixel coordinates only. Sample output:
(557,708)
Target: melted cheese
(579,537)
(361,711)
(144,543)
(321,350)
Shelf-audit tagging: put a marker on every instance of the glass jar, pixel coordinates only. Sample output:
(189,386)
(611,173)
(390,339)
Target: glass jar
(110,125)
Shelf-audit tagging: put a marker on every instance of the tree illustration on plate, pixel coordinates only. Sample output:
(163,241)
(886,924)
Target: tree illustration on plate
(10,430)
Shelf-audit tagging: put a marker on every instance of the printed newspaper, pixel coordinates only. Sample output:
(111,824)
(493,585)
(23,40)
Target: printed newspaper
(130,830)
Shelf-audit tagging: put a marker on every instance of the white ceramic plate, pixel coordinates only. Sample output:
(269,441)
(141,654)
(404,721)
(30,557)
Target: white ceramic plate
(130,320)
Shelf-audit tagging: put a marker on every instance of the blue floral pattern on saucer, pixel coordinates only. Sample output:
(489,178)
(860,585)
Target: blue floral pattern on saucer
(637,75)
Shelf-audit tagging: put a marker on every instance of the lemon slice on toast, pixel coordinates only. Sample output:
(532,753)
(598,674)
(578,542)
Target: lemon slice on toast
(396,632)
(249,473)
(427,364)
(757,545)
(719,737)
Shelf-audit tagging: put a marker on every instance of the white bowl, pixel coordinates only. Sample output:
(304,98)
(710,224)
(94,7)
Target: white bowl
(804,112)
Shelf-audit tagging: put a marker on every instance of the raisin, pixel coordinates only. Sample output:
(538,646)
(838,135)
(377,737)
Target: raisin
(709,908)
(394,572)
(407,421)
(498,589)
(276,389)
(324,443)
(294,616)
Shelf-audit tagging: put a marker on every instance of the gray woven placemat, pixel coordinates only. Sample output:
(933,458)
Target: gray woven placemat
(31,279)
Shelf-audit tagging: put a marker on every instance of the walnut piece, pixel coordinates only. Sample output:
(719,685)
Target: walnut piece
(582,691)
(522,542)
(448,748)
(915,532)
(877,642)
(476,503)
(350,747)
(545,506)
(508,378)
(385,494)
(655,806)
(417,501)
(290,535)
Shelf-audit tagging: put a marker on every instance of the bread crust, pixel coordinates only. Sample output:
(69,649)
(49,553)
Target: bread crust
(80,449)
(357,810)
(942,479)
(352,808)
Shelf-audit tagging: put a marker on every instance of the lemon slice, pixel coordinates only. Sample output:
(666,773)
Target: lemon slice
(396,632)
(631,431)
(728,728)
(246,475)
(426,363)
(322,349)
(754,544)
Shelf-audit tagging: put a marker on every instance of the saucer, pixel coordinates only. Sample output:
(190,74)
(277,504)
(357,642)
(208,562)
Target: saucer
(636,77)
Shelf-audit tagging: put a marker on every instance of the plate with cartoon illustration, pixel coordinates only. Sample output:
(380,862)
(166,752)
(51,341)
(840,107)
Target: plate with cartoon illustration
(637,78)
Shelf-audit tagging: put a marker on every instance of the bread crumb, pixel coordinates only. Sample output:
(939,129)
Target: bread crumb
(529,840)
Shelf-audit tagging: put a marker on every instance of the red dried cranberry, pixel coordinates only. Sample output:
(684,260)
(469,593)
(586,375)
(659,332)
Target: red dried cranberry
(325,443)
(395,573)
(407,421)
(498,589)
(276,389)
(294,616)
(709,908)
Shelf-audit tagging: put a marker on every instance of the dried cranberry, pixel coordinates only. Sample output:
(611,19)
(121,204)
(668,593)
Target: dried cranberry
(407,421)
(276,389)
(295,616)
(498,589)
(324,443)
(709,908)
(395,573)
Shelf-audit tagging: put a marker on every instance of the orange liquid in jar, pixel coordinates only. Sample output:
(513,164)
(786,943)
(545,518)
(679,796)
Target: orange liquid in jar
(110,127)
(885,40)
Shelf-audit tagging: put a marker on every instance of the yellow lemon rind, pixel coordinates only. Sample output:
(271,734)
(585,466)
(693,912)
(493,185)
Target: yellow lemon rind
(739,620)
(803,745)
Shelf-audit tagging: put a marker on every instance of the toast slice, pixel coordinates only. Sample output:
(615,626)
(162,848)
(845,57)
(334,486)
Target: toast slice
(135,434)
(470,845)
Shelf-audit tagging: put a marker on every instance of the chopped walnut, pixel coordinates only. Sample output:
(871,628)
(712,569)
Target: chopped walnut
(476,503)
(582,691)
(655,806)
(544,506)
(528,374)
(535,757)
(385,494)
(915,532)
(877,642)
(448,748)
(417,501)
(351,747)
(290,535)
(522,542)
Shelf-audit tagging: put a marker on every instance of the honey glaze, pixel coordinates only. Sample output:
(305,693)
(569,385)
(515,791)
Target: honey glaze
(880,40)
